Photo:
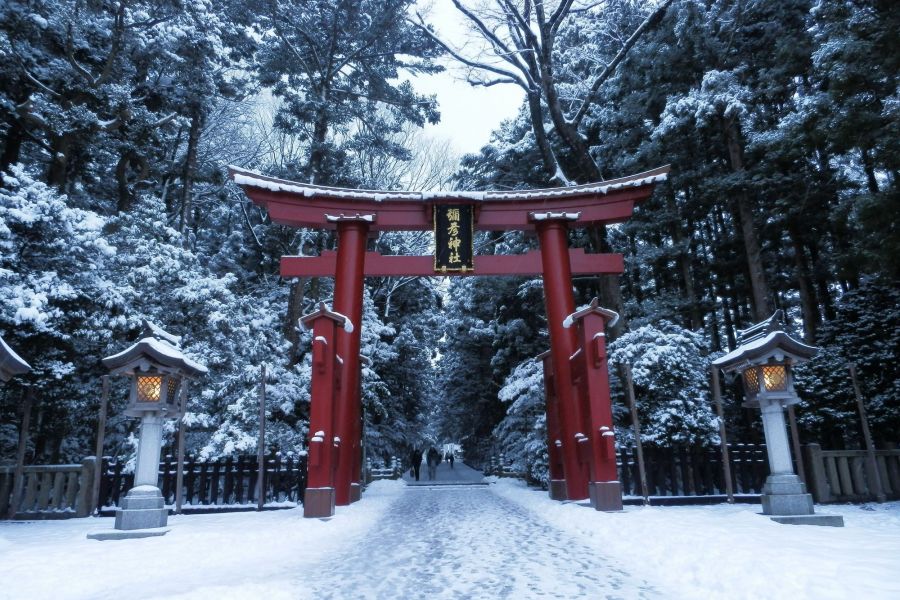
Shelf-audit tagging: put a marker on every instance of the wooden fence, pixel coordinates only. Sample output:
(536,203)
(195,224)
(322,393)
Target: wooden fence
(693,471)
(679,472)
(49,491)
(221,484)
(848,475)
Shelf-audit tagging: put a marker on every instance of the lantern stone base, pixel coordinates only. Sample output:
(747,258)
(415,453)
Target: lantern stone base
(116,534)
(558,489)
(355,492)
(318,503)
(822,520)
(785,495)
(606,495)
(142,508)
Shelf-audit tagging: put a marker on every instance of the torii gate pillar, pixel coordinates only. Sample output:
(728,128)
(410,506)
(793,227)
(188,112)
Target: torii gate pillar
(348,300)
(554,444)
(592,372)
(324,444)
(552,232)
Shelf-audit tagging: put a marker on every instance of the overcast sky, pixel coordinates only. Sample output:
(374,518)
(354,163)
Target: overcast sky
(468,114)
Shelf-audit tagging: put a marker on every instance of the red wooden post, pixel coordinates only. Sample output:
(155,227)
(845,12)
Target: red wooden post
(348,300)
(605,488)
(560,303)
(554,450)
(319,500)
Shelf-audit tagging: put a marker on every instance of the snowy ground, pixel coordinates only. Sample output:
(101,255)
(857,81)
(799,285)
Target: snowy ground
(499,541)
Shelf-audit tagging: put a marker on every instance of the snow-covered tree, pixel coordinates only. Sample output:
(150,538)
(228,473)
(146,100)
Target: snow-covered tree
(522,434)
(670,369)
(55,299)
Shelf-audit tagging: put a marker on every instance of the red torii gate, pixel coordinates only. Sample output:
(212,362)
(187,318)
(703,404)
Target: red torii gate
(579,417)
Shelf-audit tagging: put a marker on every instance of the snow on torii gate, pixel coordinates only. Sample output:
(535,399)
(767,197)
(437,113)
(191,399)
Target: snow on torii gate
(580,465)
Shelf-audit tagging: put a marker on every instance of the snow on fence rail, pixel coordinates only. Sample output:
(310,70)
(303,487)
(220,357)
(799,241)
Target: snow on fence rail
(220,484)
(49,491)
(848,476)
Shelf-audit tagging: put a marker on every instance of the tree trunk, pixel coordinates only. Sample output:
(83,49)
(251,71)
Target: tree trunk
(12,146)
(540,134)
(58,172)
(190,167)
(762,307)
(320,134)
(579,150)
(684,265)
(809,306)
(296,296)
(608,288)
(869,169)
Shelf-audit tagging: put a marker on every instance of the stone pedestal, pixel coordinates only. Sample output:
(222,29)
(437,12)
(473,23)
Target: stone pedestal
(355,492)
(142,508)
(318,502)
(143,514)
(785,500)
(558,489)
(606,495)
(785,494)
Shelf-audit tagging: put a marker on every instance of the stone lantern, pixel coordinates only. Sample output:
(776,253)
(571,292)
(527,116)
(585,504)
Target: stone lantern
(11,364)
(764,358)
(157,369)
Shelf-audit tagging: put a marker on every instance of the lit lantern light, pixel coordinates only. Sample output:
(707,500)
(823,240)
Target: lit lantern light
(157,369)
(765,358)
(773,377)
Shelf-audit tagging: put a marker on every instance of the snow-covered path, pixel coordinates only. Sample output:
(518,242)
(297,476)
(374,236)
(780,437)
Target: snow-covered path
(467,542)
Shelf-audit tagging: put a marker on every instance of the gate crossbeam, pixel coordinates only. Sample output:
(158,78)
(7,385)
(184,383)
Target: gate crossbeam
(379,265)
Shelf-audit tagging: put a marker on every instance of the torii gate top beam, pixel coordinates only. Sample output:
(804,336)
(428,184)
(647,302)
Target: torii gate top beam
(300,204)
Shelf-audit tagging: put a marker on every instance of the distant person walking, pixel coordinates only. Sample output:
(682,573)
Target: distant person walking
(451,459)
(433,459)
(416,459)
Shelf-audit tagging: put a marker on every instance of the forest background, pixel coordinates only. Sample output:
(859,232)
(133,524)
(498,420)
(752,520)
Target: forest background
(781,121)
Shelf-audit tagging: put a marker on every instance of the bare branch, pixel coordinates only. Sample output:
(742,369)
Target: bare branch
(503,51)
(70,55)
(489,82)
(39,84)
(520,81)
(559,15)
(524,27)
(165,120)
(650,22)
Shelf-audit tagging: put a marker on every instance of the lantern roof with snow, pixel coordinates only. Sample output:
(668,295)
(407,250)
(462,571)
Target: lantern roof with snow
(158,349)
(763,342)
(11,364)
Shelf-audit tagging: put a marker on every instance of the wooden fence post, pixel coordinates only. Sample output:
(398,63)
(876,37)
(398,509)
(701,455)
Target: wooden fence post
(83,506)
(795,440)
(726,460)
(179,468)
(820,489)
(629,392)
(261,443)
(874,478)
(19,475)
(101,433)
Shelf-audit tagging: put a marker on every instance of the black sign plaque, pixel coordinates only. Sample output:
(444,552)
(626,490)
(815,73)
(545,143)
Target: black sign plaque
(454,226)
